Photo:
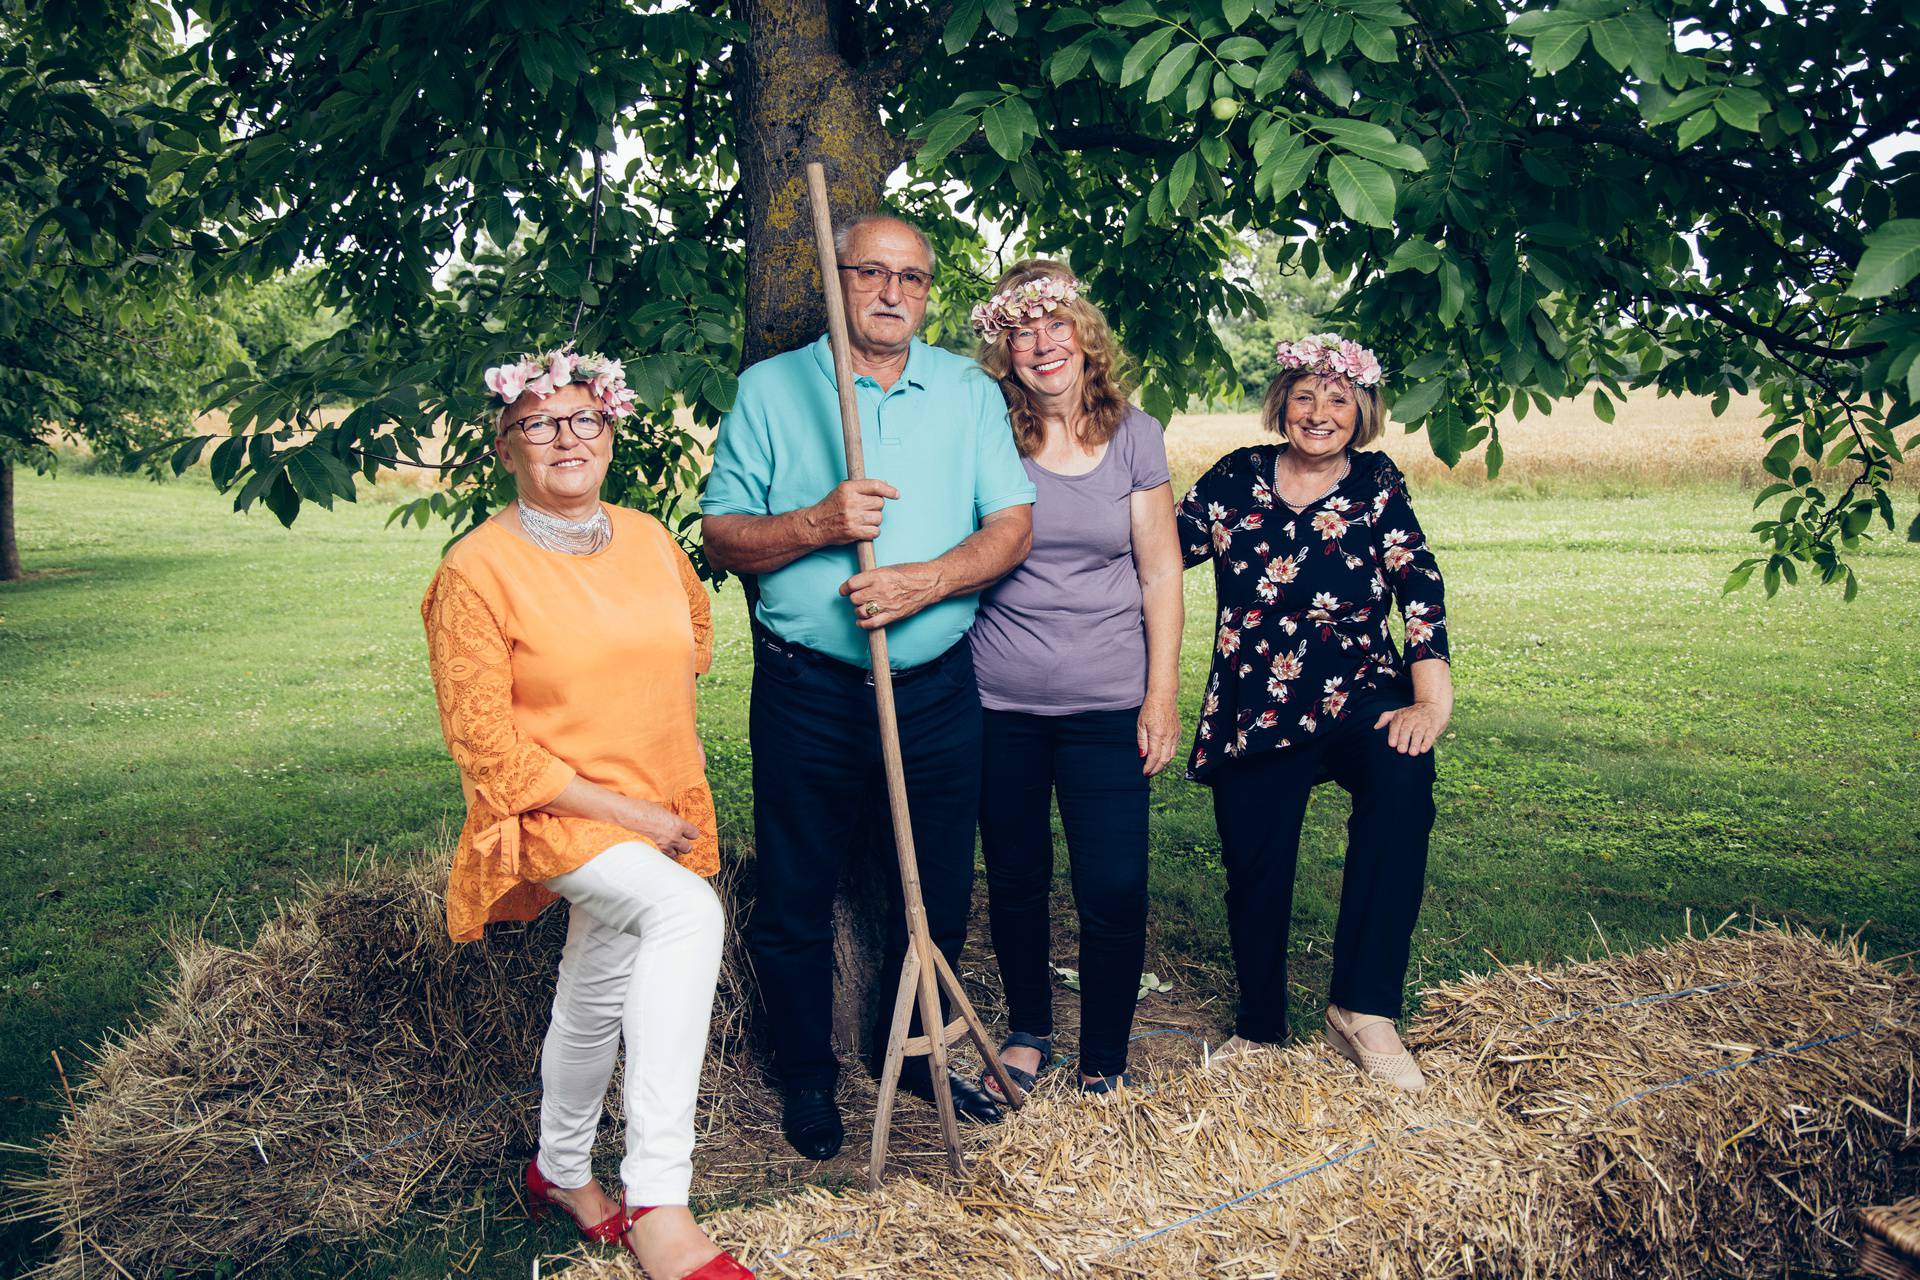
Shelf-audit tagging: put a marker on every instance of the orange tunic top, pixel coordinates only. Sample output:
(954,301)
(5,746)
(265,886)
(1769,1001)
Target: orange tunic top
(550,666)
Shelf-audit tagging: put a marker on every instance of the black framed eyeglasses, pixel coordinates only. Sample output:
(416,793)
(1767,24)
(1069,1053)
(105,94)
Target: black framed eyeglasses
(870,277)
(1056,331)
(544,428)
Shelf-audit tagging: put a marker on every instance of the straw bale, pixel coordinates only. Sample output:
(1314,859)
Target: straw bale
(1795,1062)
(312,1086)
(1651,1138)
(1616,1117)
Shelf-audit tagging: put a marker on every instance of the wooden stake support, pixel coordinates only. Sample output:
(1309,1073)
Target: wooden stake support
(925,971)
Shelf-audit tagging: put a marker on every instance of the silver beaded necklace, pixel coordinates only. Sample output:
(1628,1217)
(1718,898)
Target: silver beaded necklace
(573,537)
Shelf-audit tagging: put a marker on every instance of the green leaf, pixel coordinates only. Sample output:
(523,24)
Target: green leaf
(1613,41)
(1528,25)
(1683,105)
(961,26)
(1447,435)
(1371,142)
(1004,133)
(1780,458)
(1365,190)
(1375,43)
(1651,43)
(1891,260)
(1742,108)
(1696,126)
(226,461)
(1145,54)
(1556,47)
(1738,578)
(1602,406)
(1414,255)
(281,499)
(166,164)
(1069,62)
(1276,71)
(1453,292)
(1240,49)
(1180,180)
(1913,530)
(1496,455)
(946,134)
(1131,13)
(1172,70)
(1417,401)
(1236,12)
(1290,167)
(318,476)
(189,453)
(1332,79)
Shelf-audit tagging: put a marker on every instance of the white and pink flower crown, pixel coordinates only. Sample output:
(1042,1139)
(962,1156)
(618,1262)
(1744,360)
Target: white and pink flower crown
(1330,354)
(547,372)
(1019,304)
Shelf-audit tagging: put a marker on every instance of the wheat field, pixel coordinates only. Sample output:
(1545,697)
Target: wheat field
(1653,441)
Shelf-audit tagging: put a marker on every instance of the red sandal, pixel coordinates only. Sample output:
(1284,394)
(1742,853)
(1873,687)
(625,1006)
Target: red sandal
(540,1191)
(722,1266)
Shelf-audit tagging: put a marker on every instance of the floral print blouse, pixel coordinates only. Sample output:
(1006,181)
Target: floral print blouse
(1304,599)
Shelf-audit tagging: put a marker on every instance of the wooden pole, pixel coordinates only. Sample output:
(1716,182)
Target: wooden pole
(925,971)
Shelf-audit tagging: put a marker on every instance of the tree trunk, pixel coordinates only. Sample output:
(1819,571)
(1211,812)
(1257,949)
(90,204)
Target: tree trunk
(799,100)
(10,570)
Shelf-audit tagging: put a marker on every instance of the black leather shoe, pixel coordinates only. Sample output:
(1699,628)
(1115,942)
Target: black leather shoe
(811,1122)
(970,1102)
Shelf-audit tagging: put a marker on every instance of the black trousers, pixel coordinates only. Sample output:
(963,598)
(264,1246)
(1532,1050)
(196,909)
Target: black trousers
(1092,762)
(1259,804)
(819,787)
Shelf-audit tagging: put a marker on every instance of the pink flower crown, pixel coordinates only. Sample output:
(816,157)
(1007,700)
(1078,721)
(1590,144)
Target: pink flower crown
(1018,304)
(1329,354)
(546,373)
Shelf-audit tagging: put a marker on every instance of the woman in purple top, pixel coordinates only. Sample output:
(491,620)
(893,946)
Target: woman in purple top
(1312,543)
(1077,654)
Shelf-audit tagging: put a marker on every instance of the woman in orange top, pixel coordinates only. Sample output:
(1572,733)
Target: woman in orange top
(564,637)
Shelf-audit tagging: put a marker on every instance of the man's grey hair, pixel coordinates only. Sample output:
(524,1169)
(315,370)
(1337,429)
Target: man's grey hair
(843,233)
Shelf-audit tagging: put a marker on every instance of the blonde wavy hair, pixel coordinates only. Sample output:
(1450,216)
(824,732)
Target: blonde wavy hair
(1103,387)
(1369,419)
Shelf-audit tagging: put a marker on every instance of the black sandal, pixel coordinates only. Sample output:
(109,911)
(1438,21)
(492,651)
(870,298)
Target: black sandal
(1107,1084)
(1025,1079)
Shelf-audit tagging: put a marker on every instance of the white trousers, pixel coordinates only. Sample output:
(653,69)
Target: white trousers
(642,958)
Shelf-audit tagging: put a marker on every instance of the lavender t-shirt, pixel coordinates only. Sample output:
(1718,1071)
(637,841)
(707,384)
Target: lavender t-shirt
(1064,632)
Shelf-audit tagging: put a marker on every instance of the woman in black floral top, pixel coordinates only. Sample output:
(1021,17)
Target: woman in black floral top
(1312,545)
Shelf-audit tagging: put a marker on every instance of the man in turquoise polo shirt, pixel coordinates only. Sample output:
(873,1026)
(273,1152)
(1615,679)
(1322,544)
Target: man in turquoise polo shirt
(948,509)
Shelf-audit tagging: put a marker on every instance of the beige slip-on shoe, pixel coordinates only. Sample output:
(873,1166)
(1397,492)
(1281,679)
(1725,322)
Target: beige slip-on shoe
(1397,1069)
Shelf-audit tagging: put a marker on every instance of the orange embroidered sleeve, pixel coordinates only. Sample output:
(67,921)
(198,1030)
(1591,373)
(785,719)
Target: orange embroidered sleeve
(472,672)
(701,607)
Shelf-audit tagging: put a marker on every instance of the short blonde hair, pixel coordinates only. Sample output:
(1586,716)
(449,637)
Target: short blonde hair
(1370,418)
(1103,387)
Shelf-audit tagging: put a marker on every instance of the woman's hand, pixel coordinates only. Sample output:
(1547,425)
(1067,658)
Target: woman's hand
(1158,733)
(1413,730)
(666,830)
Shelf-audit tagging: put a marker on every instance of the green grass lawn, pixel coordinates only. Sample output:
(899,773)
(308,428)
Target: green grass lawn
(203,710)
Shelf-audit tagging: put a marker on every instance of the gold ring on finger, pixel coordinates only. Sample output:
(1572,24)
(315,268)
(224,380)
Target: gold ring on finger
(871,609)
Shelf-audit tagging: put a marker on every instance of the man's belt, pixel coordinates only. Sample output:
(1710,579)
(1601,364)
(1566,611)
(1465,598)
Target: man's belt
(765,641)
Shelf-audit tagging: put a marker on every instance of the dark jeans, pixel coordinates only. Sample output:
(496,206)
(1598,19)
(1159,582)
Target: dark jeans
(1259,804)
(818,787)
(1091,760)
